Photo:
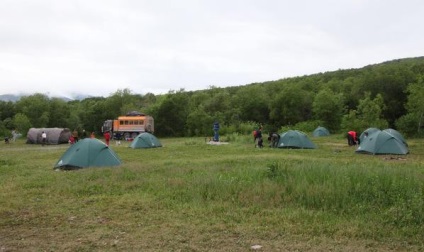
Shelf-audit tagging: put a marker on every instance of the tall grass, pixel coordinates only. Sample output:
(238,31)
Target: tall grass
(353,190)
(189,195)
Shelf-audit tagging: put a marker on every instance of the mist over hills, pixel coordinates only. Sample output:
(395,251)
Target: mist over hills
(17,97)
(415,64)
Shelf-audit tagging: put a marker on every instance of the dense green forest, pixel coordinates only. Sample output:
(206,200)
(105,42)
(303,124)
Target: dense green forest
(386,95)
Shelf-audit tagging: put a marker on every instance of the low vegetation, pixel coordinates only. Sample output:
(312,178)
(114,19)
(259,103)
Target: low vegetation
(191,196)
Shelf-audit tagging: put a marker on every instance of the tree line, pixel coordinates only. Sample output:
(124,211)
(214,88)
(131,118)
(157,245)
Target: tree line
(386,95)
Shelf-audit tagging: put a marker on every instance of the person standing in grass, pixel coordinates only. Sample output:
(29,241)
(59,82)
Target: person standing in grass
(107,137)
(14,135)
(84,134)
(259,138)
(43,138)
(255,133)
(75,135)
(273,138)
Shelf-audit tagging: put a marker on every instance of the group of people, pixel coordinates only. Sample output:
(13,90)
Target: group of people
(75,137)
(273,138)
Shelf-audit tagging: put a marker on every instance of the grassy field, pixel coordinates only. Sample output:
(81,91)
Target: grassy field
(191,196)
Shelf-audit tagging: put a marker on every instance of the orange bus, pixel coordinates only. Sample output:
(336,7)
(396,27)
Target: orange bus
(129,126)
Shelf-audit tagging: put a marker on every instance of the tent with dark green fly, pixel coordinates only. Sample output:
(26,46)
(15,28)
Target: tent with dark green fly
(89,152)
(382,142)
(145,140)
(366,133)
(320,131)
(295,139)
(397,134)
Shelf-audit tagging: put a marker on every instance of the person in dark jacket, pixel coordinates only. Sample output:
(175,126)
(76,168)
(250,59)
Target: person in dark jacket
(75,135)
(273,138)
(260,142)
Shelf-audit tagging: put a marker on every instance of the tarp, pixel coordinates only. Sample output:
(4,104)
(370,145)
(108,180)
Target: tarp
(295,139)
(382,142)
(145,140)
(135,113)
(54,135)
(89,152)
(320,131)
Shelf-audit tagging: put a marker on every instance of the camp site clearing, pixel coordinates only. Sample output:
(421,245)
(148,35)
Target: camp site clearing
(188,195)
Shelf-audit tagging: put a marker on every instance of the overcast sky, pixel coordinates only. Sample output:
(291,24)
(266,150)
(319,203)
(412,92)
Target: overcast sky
(96,47)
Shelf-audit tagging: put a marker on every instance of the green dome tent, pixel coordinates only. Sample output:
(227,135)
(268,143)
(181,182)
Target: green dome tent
(295,139)
(396,134)
(320,131)
(88,152)
(145,140)
(368,131)
(382,142)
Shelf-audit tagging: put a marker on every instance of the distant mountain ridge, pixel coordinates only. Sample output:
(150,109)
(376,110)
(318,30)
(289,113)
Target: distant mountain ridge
(416,64)
(17,97)
(9,97)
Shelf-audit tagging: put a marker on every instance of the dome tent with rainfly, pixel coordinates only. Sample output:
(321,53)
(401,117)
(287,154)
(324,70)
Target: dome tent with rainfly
(368,132)
(145,140)
(85,153)
(397,134)
(382,142)
(296,140)
(320,131)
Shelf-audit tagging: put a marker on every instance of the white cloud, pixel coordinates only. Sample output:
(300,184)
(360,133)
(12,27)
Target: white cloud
(97,47)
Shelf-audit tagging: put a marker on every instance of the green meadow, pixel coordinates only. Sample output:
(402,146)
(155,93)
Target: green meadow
(192,196)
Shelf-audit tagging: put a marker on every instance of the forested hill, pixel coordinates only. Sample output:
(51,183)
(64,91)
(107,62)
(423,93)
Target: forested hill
(390,79)
(383,95)
(375,95)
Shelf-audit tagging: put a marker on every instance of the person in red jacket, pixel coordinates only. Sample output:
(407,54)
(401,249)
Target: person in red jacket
(71,139)
(352,138)
(107,137)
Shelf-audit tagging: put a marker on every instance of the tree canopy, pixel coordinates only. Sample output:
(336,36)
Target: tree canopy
(389,94)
